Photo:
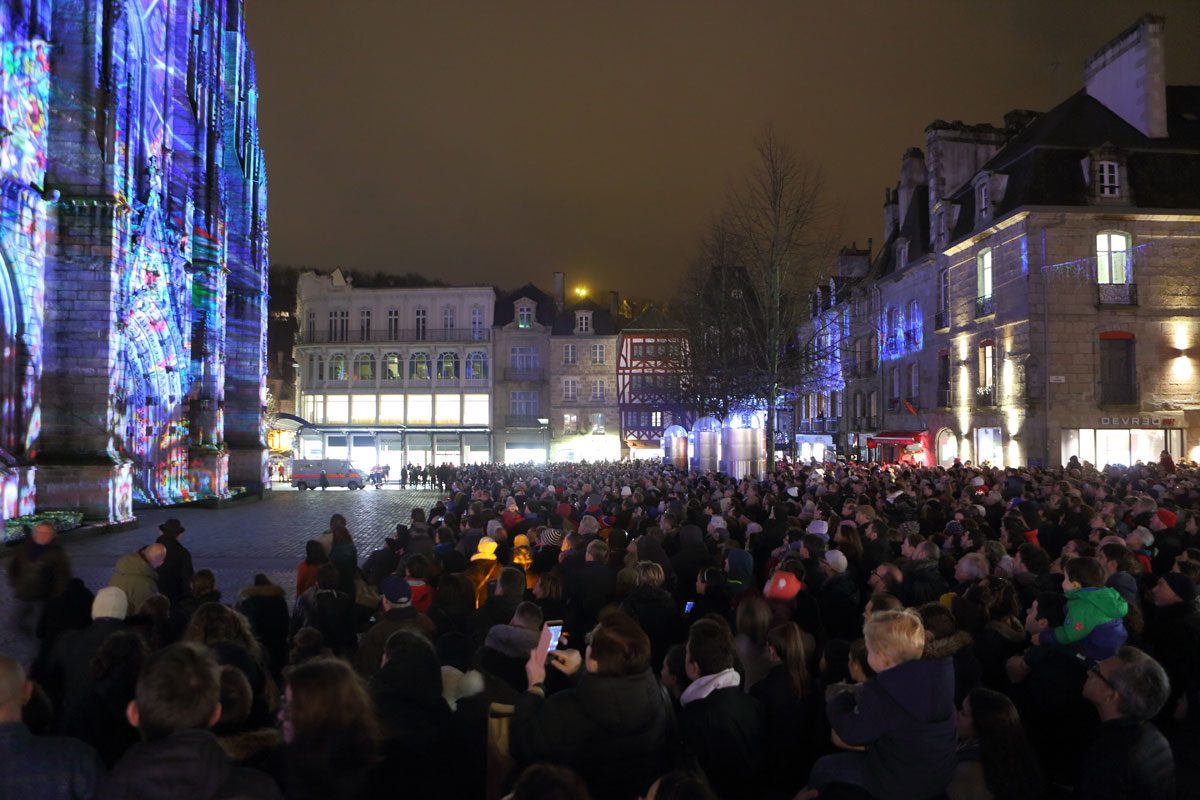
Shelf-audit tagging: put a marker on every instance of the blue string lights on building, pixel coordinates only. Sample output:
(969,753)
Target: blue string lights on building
(134,243)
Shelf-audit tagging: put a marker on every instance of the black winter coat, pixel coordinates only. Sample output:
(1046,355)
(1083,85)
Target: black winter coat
(1128,759)
(724,731)
(656,612)
(625,718)
(175,574)
(184,766)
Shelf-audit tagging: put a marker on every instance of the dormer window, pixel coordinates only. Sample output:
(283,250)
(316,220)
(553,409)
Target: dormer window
(583,322)
(901,255)
(939,226)
(1109,179)
(982,201)
(525,316)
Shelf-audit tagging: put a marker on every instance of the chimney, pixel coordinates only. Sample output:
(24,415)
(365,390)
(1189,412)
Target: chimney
(955,152)
(614,304)
(1128,75)
(890,212)
(912,175)
(560,291)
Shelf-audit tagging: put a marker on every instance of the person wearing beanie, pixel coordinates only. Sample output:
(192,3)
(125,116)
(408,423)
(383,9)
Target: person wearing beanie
(1172,636)
(396,613)
(819,527)
(68,675)
(838,598)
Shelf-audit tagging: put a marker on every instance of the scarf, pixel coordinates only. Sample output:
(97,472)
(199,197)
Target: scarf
(706,685)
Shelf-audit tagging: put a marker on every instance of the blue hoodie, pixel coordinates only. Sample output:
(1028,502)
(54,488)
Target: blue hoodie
(906,715)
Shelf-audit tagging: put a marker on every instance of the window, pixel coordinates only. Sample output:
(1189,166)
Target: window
(636,351)
(569,389)
(391,367)
(895,375)
(420,321)
(524,358)
(597,354)
(570,423)
(598,389)
(523,404)
(477,366)
(391,408)
(1110,182)
(337,367)
(914,379)
(364,325)
(912,331)
(475,409)
(320,368)
(393,324)
(943,314)
(337,409)
(981,196)
(568,354)
(858,353)
(447,367)
(597,424)
(987,364)
(364,367)
(312,327)
(1112,257)
(583,322)
(362,409)
(339,325)
(835,404)
(873,407)
(420,409)
(1118,369)
(872,352)
(418,367)
(939,226)
(901,255)
(477,323)
(983,283)
(448,314)
(447,409)
(525,317)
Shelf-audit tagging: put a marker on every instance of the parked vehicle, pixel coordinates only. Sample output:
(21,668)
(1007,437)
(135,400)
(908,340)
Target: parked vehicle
(306,474)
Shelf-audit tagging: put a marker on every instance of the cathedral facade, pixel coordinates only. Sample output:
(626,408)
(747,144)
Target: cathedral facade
(133,241)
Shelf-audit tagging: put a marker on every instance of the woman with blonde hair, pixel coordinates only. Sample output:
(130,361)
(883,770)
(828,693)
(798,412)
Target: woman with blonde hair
(330,733)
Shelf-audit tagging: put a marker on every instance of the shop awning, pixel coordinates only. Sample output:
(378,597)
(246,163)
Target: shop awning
(894,437)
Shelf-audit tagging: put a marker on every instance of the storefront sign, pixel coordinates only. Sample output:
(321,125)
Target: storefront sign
(1138,422)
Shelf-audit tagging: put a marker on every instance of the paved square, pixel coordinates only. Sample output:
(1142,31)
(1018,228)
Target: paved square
(236,542)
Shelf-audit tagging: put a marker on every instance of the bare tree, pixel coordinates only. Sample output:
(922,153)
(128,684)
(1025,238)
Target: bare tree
(770,249)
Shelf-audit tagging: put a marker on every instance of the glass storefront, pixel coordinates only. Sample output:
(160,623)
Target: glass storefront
(1124,446)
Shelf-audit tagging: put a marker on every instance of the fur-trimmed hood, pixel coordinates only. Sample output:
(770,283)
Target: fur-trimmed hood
(457,685)
(944,648)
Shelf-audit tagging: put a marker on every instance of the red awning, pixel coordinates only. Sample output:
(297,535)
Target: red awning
(895,437)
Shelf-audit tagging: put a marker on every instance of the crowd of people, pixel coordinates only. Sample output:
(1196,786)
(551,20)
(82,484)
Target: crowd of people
(628,630)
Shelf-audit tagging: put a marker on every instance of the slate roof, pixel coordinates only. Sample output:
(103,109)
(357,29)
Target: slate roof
(603,323)
(505,312)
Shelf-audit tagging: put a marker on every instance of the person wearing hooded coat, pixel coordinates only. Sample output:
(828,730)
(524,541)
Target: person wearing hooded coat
(414,716)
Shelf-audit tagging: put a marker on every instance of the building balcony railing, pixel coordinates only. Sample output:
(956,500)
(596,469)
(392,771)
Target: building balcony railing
(804,426)
(1116,294)
(941,319)
(396,335)
(524,374)
(985,396)
(1119,394)
(522,421)
(984,306)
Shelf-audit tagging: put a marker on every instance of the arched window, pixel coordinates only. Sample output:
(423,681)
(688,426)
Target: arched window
(418,367)
(447,366)
(477,366)
(1112,257)
(337,367)
(391,367)
(364,367)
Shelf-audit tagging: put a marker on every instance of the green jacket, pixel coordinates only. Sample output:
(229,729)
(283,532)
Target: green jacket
(1087,608)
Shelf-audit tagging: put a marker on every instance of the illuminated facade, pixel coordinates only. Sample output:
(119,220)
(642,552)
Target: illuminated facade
(649,373)
(523,321)
(1036,296)
(584,419)
(394,375)
(134,244)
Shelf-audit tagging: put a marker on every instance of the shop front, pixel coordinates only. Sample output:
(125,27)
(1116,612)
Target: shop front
(897,447)
(1124,440)
(814,447)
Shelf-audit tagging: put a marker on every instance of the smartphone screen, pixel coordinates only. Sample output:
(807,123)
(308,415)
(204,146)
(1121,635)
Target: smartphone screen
(687,609)
(555,634)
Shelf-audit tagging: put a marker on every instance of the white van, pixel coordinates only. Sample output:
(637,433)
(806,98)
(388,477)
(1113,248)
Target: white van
(306,474)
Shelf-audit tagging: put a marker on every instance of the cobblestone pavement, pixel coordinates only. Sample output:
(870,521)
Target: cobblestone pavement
(236,542)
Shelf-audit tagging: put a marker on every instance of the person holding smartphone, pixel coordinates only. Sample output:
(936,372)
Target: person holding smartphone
(613,701)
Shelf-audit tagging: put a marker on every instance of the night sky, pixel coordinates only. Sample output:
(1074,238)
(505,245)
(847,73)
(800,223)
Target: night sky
(499,142)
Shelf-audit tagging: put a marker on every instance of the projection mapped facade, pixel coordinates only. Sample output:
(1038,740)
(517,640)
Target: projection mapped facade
(133,241)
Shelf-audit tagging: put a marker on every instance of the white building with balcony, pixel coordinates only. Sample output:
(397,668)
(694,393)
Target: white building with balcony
(394,375)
